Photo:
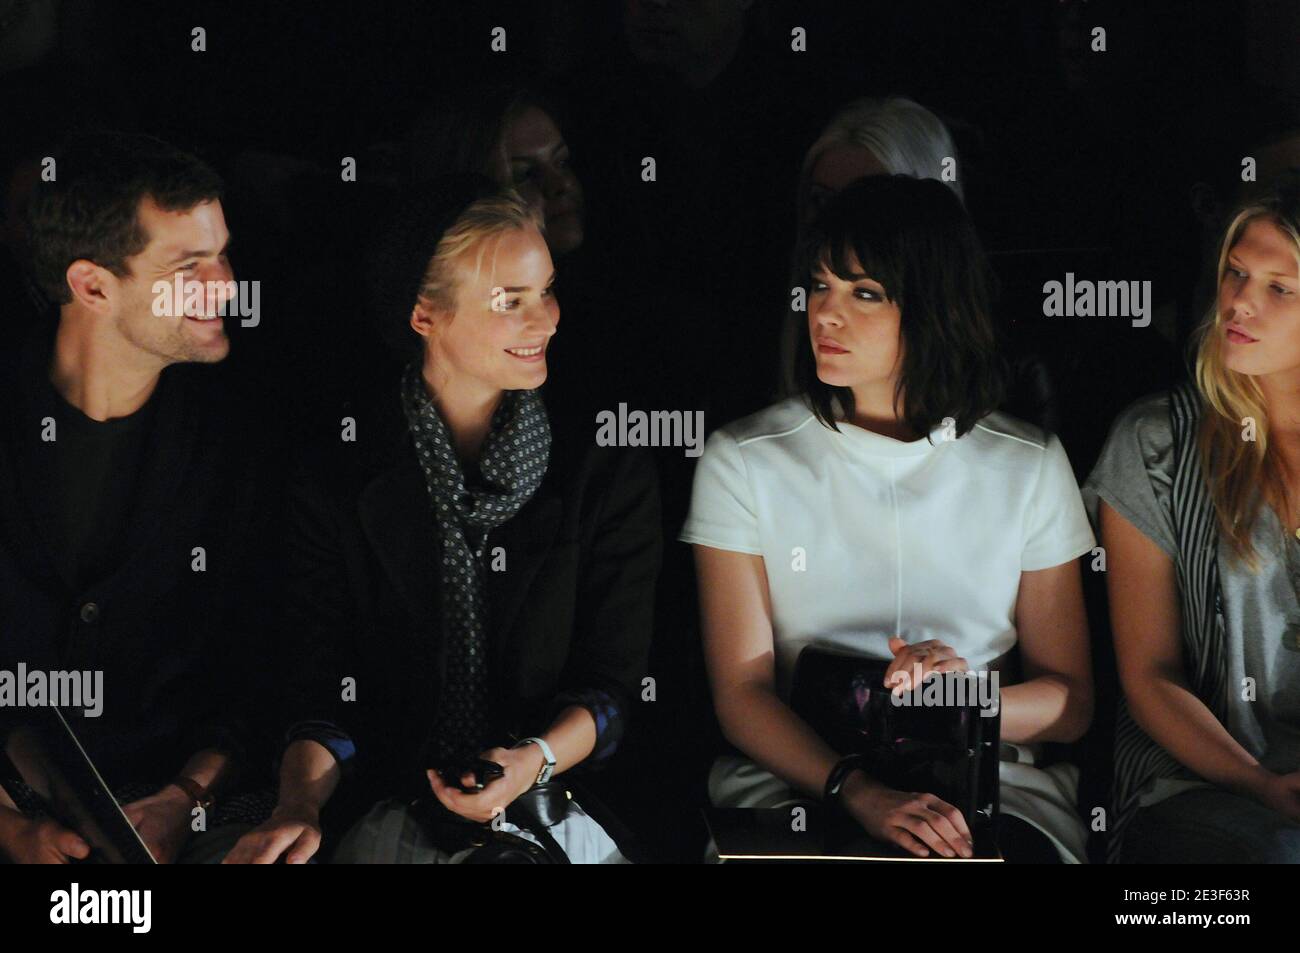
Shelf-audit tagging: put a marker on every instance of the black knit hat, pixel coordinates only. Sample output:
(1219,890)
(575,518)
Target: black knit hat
(404,244)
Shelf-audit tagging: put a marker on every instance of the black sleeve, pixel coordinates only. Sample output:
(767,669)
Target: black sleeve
(616,597)
(319,615)
(236,678)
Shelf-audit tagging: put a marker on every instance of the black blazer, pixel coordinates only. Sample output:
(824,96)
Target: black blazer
(572,610)
(177,647)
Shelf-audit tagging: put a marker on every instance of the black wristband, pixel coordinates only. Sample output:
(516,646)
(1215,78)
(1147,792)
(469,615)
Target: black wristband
(835,780)
(201,796)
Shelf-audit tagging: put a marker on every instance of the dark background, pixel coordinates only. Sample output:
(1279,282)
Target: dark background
(1113,165)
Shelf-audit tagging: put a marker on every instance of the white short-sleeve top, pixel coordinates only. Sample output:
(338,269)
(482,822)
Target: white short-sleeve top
(863,536)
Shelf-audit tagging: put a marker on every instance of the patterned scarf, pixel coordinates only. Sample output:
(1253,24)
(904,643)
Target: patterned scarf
(512,463)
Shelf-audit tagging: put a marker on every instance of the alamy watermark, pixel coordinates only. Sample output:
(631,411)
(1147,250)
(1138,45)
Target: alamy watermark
(655,428)
(1101,299)
(24,688)
(209,299)
(951,690)
(133,908)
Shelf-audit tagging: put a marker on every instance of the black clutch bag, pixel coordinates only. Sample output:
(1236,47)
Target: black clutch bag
(948,749)
(537,810)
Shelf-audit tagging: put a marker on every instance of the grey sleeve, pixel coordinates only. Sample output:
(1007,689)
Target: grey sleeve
(1134,473)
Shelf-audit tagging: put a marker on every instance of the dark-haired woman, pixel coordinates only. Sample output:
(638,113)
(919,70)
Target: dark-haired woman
(471,587)
(511,135)
(1197,496)
(890,511)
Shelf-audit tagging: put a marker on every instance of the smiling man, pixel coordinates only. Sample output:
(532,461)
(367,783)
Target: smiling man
(124,499)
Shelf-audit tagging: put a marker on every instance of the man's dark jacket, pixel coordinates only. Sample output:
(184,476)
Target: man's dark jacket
(181,650)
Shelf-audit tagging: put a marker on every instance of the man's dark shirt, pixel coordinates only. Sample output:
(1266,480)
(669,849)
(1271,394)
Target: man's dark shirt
(134,549)
(95,464)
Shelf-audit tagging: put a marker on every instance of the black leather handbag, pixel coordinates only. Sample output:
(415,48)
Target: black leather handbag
(537,810)
(949,750)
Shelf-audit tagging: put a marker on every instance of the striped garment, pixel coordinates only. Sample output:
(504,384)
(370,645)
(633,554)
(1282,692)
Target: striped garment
(1139,760)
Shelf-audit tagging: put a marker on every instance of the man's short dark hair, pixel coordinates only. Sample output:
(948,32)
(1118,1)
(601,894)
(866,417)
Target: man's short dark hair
(91,209)
(914,237)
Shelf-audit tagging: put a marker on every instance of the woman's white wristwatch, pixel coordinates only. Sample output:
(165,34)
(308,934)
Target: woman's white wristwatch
(548,768)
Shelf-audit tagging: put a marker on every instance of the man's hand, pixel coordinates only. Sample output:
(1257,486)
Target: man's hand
(521,766)
(40,840)
(163,822)
(293,832)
